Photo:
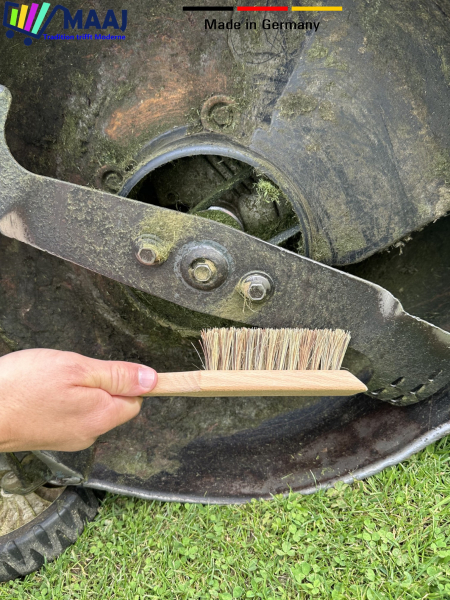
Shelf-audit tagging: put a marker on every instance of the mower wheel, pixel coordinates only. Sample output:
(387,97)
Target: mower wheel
(46,536)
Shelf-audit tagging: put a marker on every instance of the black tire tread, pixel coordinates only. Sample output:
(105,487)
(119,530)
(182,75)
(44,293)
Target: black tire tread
(47,536)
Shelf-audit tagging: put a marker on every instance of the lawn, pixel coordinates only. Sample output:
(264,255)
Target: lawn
(387,537)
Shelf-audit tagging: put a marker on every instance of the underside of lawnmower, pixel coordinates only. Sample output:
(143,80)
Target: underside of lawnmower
(315,159)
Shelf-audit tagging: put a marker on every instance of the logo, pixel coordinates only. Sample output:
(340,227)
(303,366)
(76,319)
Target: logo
(33,23)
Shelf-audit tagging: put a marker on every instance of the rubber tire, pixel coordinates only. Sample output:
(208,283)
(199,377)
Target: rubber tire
(47,536)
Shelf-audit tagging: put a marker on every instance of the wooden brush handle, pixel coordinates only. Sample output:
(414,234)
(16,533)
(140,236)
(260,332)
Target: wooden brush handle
(257,383)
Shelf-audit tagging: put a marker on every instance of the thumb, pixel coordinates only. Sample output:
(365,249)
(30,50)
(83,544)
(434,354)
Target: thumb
(120,378)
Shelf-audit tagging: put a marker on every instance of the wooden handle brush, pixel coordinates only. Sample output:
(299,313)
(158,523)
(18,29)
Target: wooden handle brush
(266,362)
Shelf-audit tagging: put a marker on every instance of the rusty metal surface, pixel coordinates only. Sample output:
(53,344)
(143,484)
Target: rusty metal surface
(351,114)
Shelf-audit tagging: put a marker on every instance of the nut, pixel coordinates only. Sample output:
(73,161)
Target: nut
(149,250)
(256,287)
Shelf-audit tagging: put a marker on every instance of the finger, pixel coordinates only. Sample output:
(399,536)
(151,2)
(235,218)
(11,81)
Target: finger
(120,410)
(119,378)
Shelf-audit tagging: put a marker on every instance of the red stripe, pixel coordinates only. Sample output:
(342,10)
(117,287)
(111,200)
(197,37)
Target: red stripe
(267,8)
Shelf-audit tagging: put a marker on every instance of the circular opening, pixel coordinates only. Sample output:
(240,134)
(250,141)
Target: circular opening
(223,189)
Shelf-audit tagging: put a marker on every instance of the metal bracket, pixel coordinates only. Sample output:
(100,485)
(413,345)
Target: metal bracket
(25,476)
(63,473)
(409,358)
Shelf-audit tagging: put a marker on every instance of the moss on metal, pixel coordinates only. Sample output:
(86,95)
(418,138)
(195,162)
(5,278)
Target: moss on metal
(169,226)
(297,103)
(333,62)
(266,191)
(317,51)
(219,217)
(441,166)
(326,111)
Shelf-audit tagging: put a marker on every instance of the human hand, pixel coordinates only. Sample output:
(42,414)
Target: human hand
(53,400)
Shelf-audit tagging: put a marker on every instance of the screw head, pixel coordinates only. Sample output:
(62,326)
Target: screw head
(256,287)
(203,265)
(149,250)
(147,256)
(257,292)
(203,272)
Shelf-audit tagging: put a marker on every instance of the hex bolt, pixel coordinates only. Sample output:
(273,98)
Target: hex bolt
(147,256)
(150,250)
(203,265)
(202,272)
(255,287)
(257,292)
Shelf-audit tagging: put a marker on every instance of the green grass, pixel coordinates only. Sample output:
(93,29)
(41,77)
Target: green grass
(387,537)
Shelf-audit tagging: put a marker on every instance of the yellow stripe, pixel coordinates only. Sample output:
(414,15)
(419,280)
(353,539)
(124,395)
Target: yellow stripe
(23,14)
(317,8)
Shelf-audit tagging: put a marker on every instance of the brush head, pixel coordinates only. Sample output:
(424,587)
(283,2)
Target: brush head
(232,349)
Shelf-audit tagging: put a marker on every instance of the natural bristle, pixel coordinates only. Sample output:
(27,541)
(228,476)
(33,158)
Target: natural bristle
(234,349)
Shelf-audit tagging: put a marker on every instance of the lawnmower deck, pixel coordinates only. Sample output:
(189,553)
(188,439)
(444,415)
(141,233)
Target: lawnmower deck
(228,450)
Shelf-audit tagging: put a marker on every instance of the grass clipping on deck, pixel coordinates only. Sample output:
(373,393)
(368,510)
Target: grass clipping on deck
(235,349)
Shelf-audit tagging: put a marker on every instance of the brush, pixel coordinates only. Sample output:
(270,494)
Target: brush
(266,362)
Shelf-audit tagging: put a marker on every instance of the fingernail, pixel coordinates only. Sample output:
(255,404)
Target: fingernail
(147,378)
